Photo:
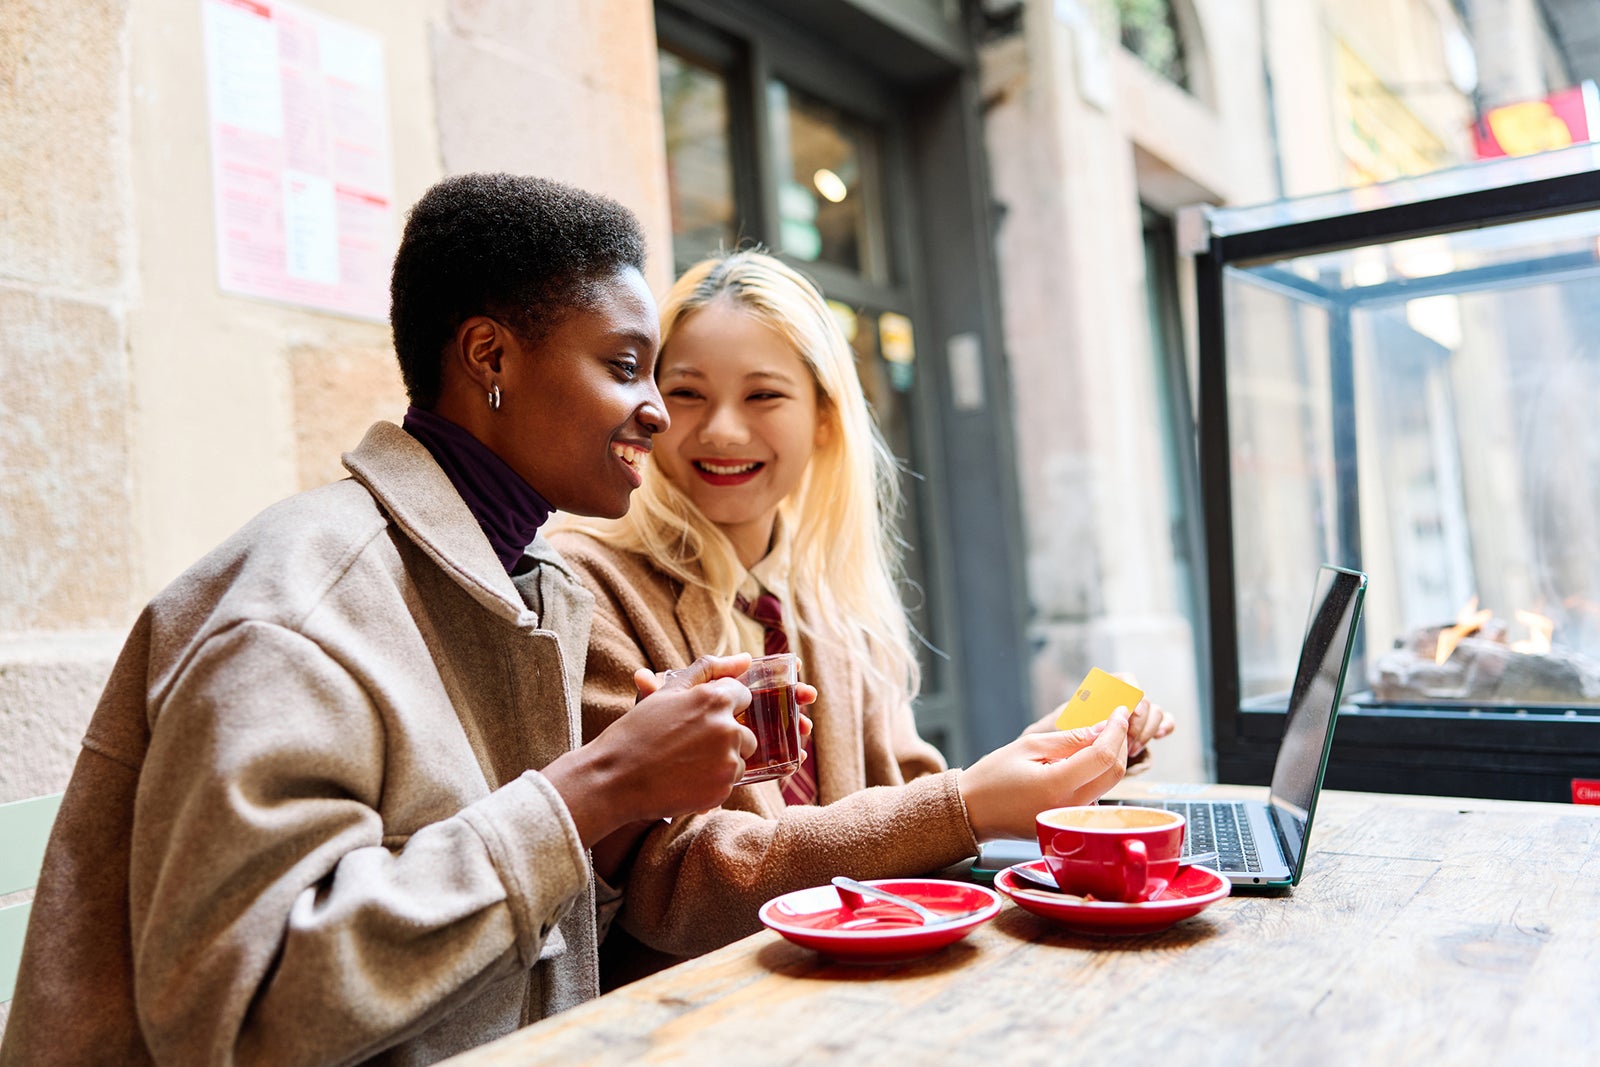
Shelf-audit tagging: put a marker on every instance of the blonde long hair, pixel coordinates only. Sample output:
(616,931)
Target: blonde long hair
(844,556)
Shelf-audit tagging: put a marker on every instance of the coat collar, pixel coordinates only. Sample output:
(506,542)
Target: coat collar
(697,612)
(407,484)
(698,617)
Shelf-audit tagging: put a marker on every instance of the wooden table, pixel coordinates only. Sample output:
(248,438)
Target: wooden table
(1425,931)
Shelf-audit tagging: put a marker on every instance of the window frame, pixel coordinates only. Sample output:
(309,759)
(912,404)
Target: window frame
(923,95)
(1463,751)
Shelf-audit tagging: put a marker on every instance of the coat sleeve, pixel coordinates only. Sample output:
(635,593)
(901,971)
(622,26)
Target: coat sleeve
(273,921)
(914,756)
(697,883)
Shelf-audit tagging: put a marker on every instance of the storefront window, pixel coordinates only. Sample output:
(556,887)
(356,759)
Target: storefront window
(1150,30)
(886,354)
(829,199)
(694,107)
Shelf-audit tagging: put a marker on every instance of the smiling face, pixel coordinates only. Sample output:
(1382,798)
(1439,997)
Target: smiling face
(579,408)
(745,421)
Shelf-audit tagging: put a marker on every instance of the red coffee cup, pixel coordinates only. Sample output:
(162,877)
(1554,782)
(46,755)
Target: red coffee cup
(1111,852)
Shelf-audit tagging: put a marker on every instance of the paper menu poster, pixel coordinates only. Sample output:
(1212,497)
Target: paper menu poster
(302,173)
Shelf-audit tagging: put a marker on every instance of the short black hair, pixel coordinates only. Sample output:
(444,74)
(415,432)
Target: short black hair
(525,251)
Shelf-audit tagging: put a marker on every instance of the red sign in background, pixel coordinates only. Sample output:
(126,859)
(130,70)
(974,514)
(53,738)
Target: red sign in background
(1586,790)
(1558,120)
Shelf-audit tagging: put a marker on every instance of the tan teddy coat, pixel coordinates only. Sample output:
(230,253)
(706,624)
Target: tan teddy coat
(888,806)
(307,825)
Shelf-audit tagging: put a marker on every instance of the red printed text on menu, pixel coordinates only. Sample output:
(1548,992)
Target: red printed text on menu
(302,175)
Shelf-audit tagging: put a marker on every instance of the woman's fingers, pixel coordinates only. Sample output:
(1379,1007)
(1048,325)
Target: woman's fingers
(646,681)
(706,669)
(1168,724)
(1103,763)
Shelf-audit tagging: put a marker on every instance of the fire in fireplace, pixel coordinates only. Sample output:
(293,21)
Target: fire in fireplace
(1474,660)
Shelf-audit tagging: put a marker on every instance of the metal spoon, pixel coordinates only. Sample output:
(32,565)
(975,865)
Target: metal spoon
(1042,879)
(1045,880)
(854,894)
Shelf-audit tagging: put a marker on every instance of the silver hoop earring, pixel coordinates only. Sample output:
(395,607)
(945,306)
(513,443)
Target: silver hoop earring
(494,398)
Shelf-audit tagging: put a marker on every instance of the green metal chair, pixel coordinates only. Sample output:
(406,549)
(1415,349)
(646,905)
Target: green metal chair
(24,829)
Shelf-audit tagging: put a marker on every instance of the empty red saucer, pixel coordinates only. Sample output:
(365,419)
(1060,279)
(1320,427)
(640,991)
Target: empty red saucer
(880,932)
(1188,894)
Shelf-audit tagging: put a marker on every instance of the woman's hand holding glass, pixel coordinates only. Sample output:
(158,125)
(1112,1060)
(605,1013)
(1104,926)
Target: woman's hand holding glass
(706,668)
(679,750)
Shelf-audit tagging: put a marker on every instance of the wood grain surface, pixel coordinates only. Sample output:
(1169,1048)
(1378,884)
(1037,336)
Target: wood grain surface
(1426,930)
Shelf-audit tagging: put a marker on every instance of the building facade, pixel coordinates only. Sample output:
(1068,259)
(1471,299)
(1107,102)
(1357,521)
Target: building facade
(1015,278)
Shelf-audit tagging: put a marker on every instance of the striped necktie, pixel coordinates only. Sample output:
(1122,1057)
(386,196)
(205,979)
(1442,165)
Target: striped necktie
(801,786)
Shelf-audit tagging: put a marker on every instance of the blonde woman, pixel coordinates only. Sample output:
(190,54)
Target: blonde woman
(772,488)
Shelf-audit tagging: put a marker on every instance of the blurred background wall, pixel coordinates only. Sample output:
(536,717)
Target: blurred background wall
(1029,306)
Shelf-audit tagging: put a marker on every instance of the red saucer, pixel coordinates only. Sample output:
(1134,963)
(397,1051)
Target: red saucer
(879,932)
(1188,894)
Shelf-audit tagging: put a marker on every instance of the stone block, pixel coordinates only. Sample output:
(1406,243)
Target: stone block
(581,132)
(339,391)
(607,45)
(48,689)
(66,546)
(1063,554)
(63,110)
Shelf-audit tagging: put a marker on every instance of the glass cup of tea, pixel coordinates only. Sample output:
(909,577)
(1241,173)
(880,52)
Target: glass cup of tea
(773,716)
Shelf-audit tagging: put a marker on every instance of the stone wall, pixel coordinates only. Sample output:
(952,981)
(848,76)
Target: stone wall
(68,549)
(147,414)
(564,90)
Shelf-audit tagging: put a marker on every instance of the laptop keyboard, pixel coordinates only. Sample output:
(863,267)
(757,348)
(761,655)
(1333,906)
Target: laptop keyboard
(1223,828)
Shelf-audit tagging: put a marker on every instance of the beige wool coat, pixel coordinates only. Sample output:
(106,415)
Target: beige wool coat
(307,824)
(887,805)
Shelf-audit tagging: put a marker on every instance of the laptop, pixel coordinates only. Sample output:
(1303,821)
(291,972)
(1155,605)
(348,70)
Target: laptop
(1263,844)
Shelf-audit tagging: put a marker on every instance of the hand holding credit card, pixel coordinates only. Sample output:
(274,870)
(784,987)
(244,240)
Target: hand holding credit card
(1097,696)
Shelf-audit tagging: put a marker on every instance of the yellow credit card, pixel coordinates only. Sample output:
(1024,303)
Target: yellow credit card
(1098,695)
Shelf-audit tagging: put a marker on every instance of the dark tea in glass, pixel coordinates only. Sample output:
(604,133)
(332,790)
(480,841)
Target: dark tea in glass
(773,717)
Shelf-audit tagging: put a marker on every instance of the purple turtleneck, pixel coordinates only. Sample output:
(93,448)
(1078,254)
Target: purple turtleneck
(508,508)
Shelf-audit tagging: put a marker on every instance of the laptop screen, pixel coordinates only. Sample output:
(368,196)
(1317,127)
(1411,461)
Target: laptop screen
(1313,704)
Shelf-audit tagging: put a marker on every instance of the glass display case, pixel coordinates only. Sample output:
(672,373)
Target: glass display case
(1405,379)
